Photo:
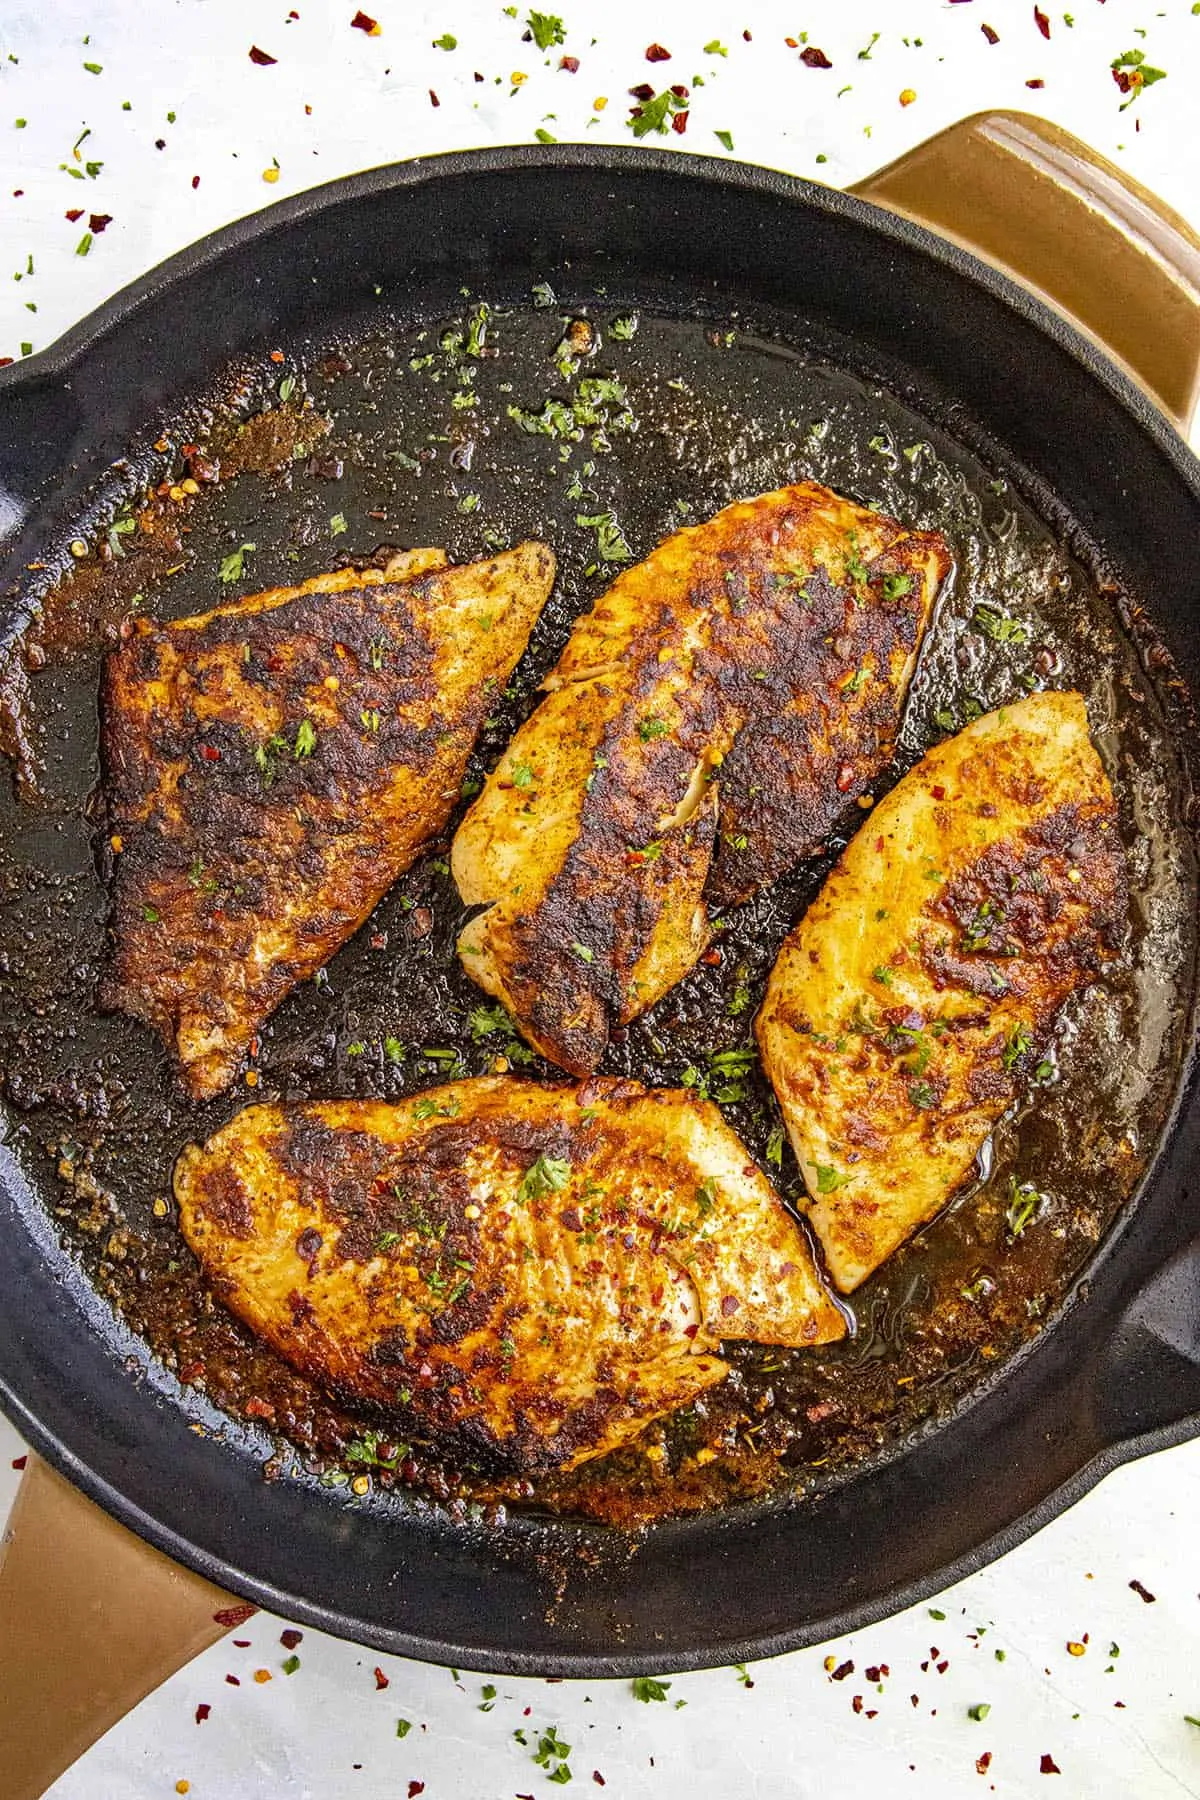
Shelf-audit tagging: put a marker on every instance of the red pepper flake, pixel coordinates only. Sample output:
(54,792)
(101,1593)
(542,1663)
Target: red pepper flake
(983,1763)
(99,221)
(210,753)
(872,1712)
(1037,82)
(364,22)
(845,778)
(202,1712)
(570,64)
(857,1703)
(643,92)
(258,1408)
(18,1462)
(242,1643)
(433,99)
(656,53)
(841,1672)
(1049,1766)
(233,1616)
(812,58)
(261,58)
(233,1681)
(74,213)
(291,1637)
(415,1788)
(916,1698)
(1041,21)
(993,37)
(381,1680)
(598,1778)
(939,793)
(680,91)
(195,182)
(711,958)
(874,1672)
(792,43)
(679,122)
(1145,1593)
(942,1667)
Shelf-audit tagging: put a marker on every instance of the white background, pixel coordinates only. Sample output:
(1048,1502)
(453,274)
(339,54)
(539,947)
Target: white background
(338,100)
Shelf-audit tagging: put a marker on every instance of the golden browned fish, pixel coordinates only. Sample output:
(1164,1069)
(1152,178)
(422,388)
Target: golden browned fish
(909,1006)
(707,723)
(272,766)
(529,1273)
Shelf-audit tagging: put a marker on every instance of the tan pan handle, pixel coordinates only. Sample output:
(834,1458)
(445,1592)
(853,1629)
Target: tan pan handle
(91,1620)
(1065,221)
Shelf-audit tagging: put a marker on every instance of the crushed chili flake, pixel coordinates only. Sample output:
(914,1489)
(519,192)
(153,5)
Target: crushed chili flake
(1145,1593)
(415,1788)
(1041,21)
(202,1712)
(242,1643)
(433,99)
(598,1778)
(857,1703)
(570,64)
(983,1763)
(993,37)
(233,1616)
(261,58)
(812,58)
(842,1670)
(643,91)
(233,1681)
(657,53)
(195,181)
(679,122)
(364,22)
(1037,82)
(381,1680)
(74,213)
(1049,1766)
(18,1462)
(99,221)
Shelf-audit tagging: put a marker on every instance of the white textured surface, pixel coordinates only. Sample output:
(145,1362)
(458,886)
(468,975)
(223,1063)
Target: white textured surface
(327,1731)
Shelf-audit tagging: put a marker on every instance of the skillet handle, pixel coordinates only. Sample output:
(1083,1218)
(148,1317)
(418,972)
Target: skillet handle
(1032,199)
(91,1620)
(1149,1379)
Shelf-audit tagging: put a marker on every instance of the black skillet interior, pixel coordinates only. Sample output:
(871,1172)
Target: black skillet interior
(971,356)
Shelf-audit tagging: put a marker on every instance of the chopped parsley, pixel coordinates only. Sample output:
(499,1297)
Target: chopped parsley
(624,328)
(896,586)
(979,1711)
(1020,1041)
(922,1096)
(522,774)
(547,30)
(1024,1203)
(725,137)
(287,387)
(337,525)
(774,1152)
(584,952)
(829,1179)
(653,115)
(649,1687)
(306,739)
(715,48)
(610,540)
(403,1727)
(546,1175)
(232,566)
(651,727)
(447,41)
(999,626)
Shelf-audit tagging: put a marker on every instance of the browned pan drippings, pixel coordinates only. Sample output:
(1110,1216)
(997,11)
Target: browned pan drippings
(443,435)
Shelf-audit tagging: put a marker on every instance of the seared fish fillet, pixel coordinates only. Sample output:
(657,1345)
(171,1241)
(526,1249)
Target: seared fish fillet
(273,765)
(910,1004)
(744,683)
(529,1273)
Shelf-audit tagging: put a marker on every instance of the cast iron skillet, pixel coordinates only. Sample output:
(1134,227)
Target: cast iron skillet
(1119,1373)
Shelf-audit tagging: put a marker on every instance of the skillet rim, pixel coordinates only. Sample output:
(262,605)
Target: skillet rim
(70,351)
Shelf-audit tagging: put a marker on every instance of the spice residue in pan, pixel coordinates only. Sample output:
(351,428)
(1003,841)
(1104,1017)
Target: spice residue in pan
(601,431)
